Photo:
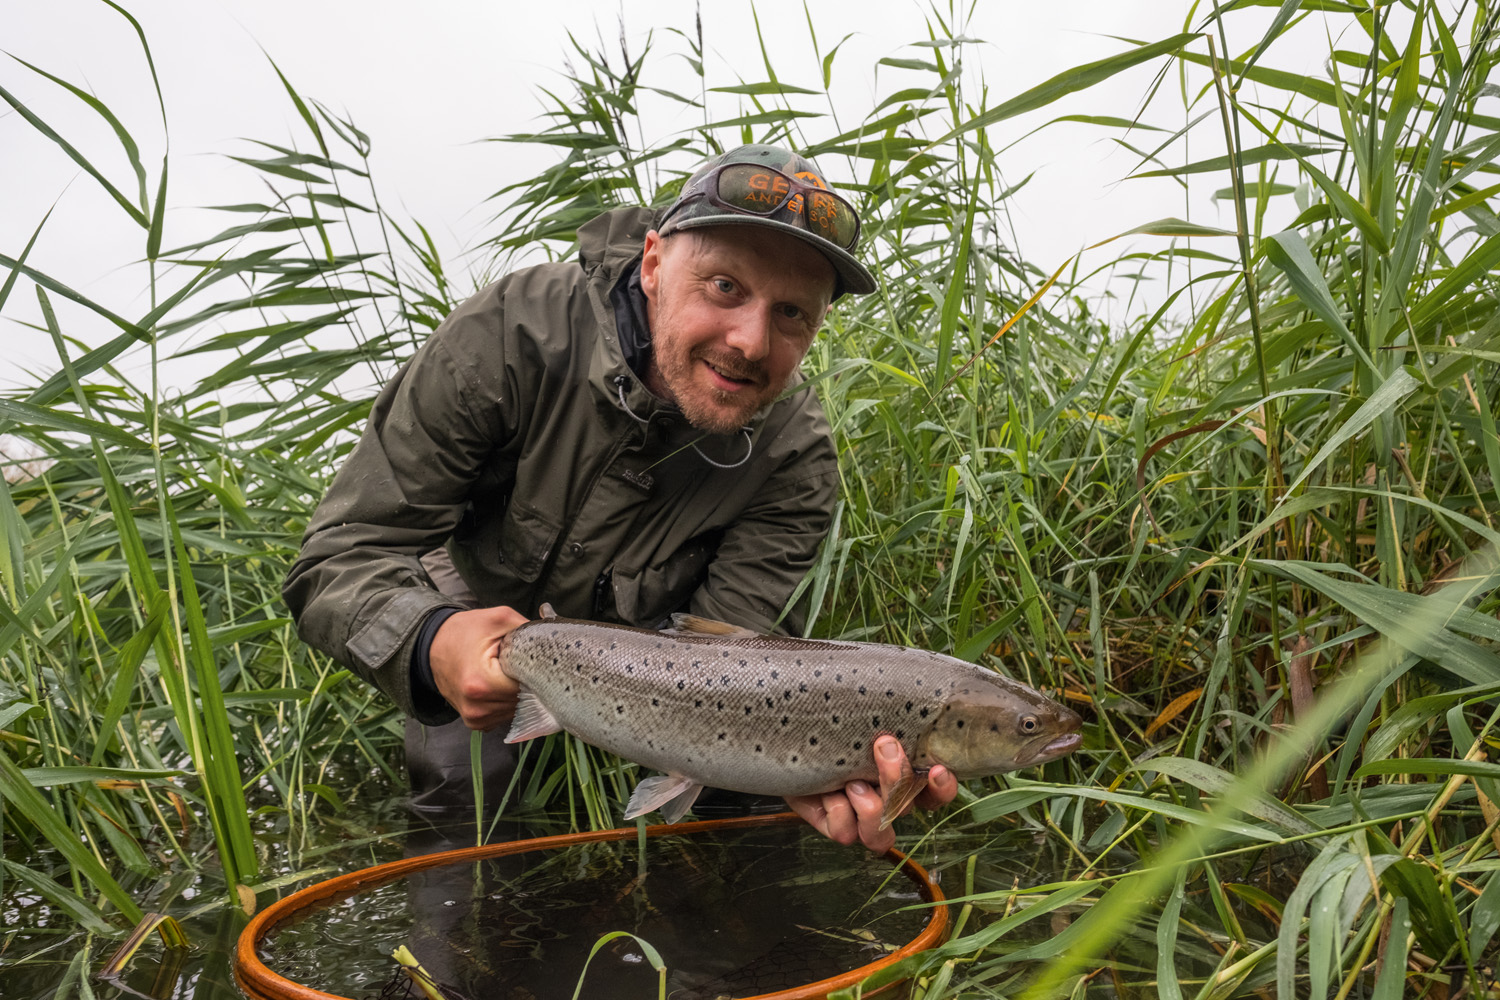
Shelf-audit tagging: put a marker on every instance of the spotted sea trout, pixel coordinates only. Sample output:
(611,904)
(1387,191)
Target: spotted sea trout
(711,704)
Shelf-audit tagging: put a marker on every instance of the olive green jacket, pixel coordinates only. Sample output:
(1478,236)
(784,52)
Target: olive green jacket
(518,437)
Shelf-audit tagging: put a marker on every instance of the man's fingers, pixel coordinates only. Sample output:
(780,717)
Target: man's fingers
(810,808)
(942,787)
(867,805)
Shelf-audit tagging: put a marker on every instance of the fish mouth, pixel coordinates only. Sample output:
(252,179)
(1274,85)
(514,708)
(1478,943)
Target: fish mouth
(1060,746)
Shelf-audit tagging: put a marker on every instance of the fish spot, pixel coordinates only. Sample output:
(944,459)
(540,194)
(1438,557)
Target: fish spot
(596,678)
(578,643)
(794,758)
(761,683)
(889,693)
(774,675)
(721,706)
(697,702)
(812,741)
(861,689)
(629,668)
(838,678)
(994,727)
(757,748)
(908,706)
(785,719)
(874,720)
(619,709)
(923,713)
(743,663)
(839,762)
(578,668)
(827,695)
(858,744)
(567,687)
(960,723)
(680,685)
(655,702)
(669,664)
(770,703)
(799,662)
(802,688)
(817,673)
(747,709)
(722,735)
(900,734)
(835,720)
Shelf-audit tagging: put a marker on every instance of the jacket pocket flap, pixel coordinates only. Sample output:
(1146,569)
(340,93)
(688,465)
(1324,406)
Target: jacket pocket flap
(526,539)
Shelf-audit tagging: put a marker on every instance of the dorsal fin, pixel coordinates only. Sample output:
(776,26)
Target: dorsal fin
(546,611)
(695,625)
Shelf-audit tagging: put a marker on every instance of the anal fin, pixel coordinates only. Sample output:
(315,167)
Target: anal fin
(531,720)
(673,794)
(902,794)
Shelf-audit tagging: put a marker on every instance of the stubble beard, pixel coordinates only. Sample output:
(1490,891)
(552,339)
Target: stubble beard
(705,406)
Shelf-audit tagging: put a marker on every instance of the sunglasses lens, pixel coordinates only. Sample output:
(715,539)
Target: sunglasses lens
(831,218)
(748,188)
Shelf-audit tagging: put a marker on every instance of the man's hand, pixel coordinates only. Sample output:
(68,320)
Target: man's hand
(466,665)
(854,813)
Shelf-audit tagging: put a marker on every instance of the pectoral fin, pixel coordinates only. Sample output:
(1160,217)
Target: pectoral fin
(673,794)
(693,625)
(902,794)
(532,719)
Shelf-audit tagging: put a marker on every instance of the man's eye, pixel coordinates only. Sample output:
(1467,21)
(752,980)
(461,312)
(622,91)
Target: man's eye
(791,312)
(724,285)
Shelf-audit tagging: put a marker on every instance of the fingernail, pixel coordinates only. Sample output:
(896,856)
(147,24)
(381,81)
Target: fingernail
(889,749)
(858,787)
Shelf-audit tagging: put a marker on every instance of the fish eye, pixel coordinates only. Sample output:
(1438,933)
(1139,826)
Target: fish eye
(1028,723)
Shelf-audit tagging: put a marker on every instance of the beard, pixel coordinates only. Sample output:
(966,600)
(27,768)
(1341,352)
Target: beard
(706,406)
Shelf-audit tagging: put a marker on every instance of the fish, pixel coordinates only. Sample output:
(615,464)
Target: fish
(711,704)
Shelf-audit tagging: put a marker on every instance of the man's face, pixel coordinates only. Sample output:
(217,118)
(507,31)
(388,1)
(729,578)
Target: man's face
(732,309)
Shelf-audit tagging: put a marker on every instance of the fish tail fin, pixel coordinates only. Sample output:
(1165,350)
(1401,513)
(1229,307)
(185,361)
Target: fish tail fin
(673,794)
(531,719)
(902,794)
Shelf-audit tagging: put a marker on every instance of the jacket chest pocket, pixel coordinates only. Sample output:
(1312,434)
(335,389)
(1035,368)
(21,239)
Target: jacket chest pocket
(518,543)
(649,596)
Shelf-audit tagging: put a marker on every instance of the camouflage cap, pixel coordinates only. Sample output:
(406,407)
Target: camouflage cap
(695,208)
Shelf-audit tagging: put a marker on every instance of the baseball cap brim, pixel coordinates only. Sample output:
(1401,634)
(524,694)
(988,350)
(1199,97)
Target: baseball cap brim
(852,276)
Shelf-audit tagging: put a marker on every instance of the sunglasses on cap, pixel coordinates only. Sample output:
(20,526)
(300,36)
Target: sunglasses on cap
(753,189)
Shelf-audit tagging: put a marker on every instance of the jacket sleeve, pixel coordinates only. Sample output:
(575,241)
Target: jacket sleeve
(766,553)
(357,590)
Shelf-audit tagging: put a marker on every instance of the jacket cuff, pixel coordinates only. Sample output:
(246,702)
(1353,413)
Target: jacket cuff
(381,650)
(429,707)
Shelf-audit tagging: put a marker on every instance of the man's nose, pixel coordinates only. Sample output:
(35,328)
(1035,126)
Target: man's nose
(750,334)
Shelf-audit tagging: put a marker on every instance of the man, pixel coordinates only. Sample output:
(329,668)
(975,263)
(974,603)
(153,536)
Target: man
(604,435)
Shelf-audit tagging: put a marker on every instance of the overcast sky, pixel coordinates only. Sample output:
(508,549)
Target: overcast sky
(429,81)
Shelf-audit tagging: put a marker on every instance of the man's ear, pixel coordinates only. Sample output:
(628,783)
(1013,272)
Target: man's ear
(651,265)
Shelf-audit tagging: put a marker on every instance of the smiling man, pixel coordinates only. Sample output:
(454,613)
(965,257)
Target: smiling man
(608,435)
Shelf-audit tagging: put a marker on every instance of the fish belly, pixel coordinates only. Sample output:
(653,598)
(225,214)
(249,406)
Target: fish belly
(763,714)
